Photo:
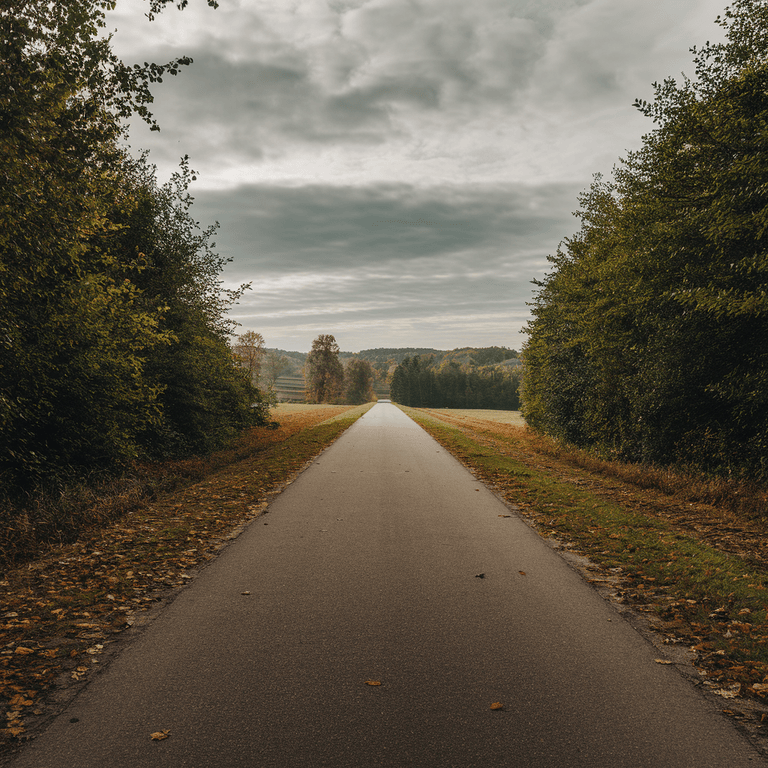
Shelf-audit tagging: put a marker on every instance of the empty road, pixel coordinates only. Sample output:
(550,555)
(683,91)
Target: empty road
(366,568)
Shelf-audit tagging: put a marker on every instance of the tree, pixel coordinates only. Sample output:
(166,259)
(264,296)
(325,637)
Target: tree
(112,319)
(324,372)
(273,366)
(416,382)
(204,395)
(249,350)
(358,382)
(73,328)
(649,340)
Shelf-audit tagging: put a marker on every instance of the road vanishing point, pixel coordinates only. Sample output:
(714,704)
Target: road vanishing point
(373,617)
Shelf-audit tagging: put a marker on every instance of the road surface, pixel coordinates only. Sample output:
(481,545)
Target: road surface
(367,568)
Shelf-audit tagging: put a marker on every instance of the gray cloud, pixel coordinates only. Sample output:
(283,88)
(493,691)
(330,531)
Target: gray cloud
(397,171)
(286,228)
(350,260)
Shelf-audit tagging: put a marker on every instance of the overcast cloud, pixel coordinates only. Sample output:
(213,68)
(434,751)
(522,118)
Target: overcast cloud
(395,172)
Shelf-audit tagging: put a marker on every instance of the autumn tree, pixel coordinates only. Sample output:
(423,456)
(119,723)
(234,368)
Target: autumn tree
(249,350)
(324,372)
(112,319)
(358,382)
(204,395)
(73,327)
(273,366)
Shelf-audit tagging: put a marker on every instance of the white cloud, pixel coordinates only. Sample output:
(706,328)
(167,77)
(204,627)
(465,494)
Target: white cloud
(317,125)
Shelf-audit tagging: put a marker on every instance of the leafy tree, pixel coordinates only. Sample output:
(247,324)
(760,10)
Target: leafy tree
(71,327)
(324,372)
(250,351)
(358,382)
(112,321)
(273,367)
(205,397)
(650,337)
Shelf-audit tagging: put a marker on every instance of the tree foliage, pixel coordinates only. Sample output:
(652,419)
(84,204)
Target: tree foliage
(324,372)
(250,351)
(359,378)
(273,367)
(417,382)
(649,339)
(113,331)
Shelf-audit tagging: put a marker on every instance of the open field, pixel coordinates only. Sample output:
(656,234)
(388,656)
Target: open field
(500,417)
(331,412)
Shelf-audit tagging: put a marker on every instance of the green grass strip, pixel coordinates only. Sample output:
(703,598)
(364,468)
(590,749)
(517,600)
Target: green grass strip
(645,547)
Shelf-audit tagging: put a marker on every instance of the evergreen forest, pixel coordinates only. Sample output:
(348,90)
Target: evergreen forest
(426,382)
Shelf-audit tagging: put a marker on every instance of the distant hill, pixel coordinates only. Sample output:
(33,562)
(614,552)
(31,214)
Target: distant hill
(477,356)
(384,354)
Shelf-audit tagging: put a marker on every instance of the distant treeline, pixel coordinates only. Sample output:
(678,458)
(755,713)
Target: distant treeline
(383,360)
(418,382)
(649,339)
(463,355)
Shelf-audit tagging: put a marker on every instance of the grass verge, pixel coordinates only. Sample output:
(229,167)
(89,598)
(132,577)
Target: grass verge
(64,611)
(714,602)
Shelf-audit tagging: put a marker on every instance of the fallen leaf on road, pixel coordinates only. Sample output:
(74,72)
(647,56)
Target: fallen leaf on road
(522,573)
(497,705)
(373,682)
(663,661)
(160,735)
(731,692)
(245,593)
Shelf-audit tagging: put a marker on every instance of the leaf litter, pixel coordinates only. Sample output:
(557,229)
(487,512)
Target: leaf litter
(729,642)
(65,611)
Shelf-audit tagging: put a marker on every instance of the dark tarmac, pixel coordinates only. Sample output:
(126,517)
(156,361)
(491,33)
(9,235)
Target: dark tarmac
(366,568)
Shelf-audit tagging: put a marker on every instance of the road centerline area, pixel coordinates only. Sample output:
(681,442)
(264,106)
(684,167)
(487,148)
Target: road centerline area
(388,562)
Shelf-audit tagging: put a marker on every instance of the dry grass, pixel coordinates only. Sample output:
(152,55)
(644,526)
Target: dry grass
(746,500)
(51,519)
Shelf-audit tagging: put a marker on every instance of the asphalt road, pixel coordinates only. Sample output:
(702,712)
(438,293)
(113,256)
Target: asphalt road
(366,568)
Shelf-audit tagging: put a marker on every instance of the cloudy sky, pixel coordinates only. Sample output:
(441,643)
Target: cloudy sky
(395,172)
